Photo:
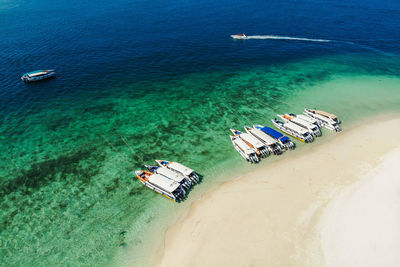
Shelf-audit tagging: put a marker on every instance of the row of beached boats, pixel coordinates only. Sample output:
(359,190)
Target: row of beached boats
(174,180)
(170,179)
(260,141)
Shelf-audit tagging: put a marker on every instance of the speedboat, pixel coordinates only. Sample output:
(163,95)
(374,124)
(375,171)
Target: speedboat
(38,75)
(307,119)
(176,176)
(252,141)
(269,141)
(314,129)
(240,36)
(283,140)
(294,130)
(179,168)
(325,114)
(247,152)
(162,185)
(326,119)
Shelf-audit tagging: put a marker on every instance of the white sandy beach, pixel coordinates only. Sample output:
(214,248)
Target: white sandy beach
(334,204)
(361,227)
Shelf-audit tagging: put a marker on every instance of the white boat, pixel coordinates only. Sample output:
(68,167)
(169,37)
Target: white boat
(38,75)
(328,120)
(307,119)
(283,140)
(270,142)
(312,128)
(176,176)
(162,185)
(247,152)
(252,141)
(325,114)
(294,130)
(182,169)
(240,36)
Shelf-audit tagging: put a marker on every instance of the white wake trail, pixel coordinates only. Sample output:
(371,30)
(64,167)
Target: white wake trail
(277,37)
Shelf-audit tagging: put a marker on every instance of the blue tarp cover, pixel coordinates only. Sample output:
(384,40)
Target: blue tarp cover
(285,138)
(272,132)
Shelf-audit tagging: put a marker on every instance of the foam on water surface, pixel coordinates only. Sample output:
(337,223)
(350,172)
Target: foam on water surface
(278,37)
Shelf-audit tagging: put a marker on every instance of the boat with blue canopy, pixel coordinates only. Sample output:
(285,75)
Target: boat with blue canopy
(283,140)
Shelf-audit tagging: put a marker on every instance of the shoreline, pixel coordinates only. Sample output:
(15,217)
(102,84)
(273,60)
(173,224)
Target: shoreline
(183,228)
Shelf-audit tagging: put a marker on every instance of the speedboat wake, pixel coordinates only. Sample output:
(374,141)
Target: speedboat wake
(277,37)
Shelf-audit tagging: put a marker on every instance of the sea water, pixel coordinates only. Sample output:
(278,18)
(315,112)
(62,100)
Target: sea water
(139,81)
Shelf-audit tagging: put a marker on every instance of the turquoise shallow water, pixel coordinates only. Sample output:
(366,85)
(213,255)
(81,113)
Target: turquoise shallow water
(140,80)
(69,195)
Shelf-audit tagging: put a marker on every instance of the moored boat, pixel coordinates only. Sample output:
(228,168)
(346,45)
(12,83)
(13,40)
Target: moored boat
(271,143)
(247,152)
(283,140)
(312,128)
(162,185)
(307,119)
(182,169)
(325,114)
(175,176)
(252,141)
(38,75)
(294,130)
(327,120)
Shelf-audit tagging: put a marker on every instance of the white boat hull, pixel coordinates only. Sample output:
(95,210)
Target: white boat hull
(293,133)
(324,122)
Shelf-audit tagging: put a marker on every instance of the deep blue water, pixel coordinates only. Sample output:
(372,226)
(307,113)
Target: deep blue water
(101,44)
(66,182)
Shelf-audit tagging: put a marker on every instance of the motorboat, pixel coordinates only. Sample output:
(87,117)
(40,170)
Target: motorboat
(307,119)
(329,121)
(314,129)
(240,36)
(283,140)
(325,114)
(294,130)
(247,152)
(176,176)
(271,143)
(179,168)
(38,75)
(162,185)
(252,141)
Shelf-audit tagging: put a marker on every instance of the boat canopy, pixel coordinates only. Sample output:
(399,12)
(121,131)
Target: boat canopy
(272,132)
(180,168)
(306,118)
(163,182)
(326,114)
(296,127)
(35,72)
(38,73)
(302,122)
(170,174)
(285,138)
(265,137)
(252,140)
(245,147)
(322,113)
